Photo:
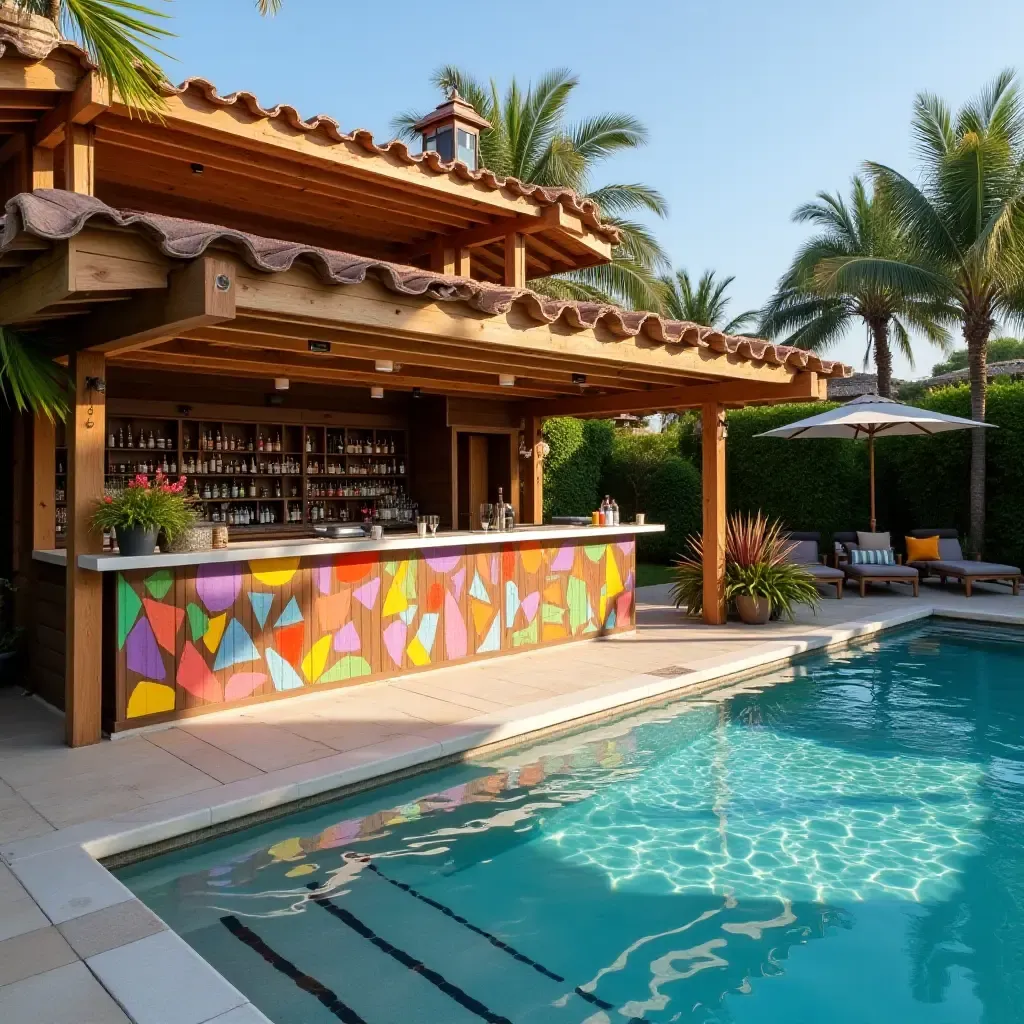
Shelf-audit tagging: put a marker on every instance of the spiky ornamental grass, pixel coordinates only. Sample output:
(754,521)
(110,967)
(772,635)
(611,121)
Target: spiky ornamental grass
(756,564)
(147,505)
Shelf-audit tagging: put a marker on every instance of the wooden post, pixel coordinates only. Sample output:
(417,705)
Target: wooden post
(44,526)
(445,260)
(86,430)
(533,483)
(79,159)
(515,260)
(42,167)
(713,478)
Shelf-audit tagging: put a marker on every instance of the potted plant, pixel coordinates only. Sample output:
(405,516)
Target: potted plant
(760,581)
(142,510)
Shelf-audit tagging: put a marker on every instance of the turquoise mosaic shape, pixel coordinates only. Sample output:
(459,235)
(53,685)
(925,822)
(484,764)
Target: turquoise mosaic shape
(290,616)
(236,647)
(282,674)
(261,606)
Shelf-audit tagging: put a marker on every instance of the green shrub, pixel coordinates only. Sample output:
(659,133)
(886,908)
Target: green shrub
(572,469)
(644,474)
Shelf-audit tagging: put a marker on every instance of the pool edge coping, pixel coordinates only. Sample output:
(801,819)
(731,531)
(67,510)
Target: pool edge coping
(62,870)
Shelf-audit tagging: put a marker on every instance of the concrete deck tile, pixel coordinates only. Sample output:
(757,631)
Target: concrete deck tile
(110,927)
(33,953)
(207,758)
(20,915)
(348,735)
(67,995)
(266,747)
(18,818)
(161,980)
(245,1014)
(69,883)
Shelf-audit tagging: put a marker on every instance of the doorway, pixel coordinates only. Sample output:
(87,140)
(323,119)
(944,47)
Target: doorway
(484,465)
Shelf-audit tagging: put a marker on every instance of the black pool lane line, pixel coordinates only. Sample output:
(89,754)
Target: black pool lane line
(464,999)
(306,982)
(492,939)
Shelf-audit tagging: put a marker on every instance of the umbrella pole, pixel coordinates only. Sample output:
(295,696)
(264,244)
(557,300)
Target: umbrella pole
(871,465)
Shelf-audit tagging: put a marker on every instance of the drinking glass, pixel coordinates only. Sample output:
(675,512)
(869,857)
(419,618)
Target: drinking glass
(486,515)
(434,522)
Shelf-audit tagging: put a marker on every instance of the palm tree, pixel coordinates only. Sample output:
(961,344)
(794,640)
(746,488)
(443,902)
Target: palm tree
(531,140)
(818,300)
(706,304)
(122,36)
(967,222)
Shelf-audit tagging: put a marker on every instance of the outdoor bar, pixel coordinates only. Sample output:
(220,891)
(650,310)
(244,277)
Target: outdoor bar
(330,339)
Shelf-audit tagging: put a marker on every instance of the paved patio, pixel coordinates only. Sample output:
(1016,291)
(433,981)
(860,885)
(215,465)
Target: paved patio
(77,948)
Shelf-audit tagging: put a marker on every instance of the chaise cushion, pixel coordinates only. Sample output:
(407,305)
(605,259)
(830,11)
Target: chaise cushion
(965,567)
(884,572)
(923,549)
(804,552)
(823,572)
(873,541)
(949,549)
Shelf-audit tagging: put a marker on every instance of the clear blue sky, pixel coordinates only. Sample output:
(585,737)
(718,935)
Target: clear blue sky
(752,107)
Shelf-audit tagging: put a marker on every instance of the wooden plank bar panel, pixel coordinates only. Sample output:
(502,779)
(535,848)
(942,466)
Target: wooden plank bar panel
(198,638)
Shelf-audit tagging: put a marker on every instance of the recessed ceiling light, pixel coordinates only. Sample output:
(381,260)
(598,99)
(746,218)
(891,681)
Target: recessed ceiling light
(384,366)
(507,380)
(376,392)
(281,383)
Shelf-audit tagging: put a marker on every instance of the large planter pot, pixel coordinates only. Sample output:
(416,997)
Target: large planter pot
(198,537)
(754,611)
(134,541)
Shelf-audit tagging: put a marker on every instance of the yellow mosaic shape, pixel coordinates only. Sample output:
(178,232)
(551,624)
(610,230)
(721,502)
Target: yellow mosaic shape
(215,631)
(150,699)
(314,663)
(612,577)
(274,572)
(396,601)
(417,653)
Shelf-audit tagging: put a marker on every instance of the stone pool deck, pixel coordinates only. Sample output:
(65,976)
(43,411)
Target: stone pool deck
(77,948)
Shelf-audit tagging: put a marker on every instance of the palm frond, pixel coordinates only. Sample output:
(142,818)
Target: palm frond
(122,37)
(270,7)
(29,379)
(617,199)
(932,127)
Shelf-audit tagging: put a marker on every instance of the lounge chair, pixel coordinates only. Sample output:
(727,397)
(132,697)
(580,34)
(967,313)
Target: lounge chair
(862,575)
(805,553)
(953,565)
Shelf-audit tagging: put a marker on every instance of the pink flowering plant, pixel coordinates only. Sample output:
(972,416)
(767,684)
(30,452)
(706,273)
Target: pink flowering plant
(145,504)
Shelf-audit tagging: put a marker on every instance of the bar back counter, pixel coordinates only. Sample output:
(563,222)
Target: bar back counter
(187,634)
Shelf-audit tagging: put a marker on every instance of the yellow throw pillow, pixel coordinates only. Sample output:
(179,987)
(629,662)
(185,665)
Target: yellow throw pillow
(923,549)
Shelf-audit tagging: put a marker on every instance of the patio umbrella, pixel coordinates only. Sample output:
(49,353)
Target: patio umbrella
(872,416)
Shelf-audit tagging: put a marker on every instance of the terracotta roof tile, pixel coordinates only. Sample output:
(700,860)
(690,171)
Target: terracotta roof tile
(52,214)
(38,44)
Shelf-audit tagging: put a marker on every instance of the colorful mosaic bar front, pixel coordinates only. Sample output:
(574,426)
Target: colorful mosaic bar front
(202,637)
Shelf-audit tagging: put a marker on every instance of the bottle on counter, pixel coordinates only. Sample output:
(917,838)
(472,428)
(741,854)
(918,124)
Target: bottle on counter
(615,512)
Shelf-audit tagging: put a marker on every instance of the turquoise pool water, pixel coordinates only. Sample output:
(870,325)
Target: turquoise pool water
(842,841)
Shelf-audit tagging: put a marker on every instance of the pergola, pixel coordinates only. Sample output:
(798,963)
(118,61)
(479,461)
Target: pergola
(271,246)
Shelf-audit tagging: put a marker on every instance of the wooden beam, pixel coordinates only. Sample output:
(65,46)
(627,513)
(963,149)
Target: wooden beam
(713,486)
(44,457)
(42,168)
(803,387)
(533,473)
(90,99)
(13,148)
(83,678)
(298,296)
(42,283)
(199,294)
(515,260)
(196,114)
(495,231)
(49,75)
(80,160)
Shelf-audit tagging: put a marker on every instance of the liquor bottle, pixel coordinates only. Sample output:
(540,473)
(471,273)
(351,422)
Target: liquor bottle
(152,440)
(185,440)
(131,443)
(277,442)
(392,451)
(164,466)
(110,439)
(615,512)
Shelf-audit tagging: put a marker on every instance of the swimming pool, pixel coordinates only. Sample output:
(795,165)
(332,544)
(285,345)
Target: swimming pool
(842,840)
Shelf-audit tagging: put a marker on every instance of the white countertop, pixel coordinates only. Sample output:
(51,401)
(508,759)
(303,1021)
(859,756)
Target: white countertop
(305,547)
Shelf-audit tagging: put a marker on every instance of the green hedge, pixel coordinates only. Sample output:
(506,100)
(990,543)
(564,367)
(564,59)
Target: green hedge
(645,473)
(809,485)
(572,470)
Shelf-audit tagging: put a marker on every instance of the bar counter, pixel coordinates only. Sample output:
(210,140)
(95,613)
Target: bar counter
(192,633)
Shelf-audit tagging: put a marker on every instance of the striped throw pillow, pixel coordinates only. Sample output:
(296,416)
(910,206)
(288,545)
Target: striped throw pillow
(884,556)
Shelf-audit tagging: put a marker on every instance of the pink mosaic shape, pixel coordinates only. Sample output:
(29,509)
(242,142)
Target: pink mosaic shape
(529,605)
(562,562)
(243,684)
(442,560)
(456,642)
(142,654)
(218,586)
(322,577)
(366,595)
(494,569)
(623,606)
(458,582)
(194,676)
(346,640)
(394,640)
(626,546)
